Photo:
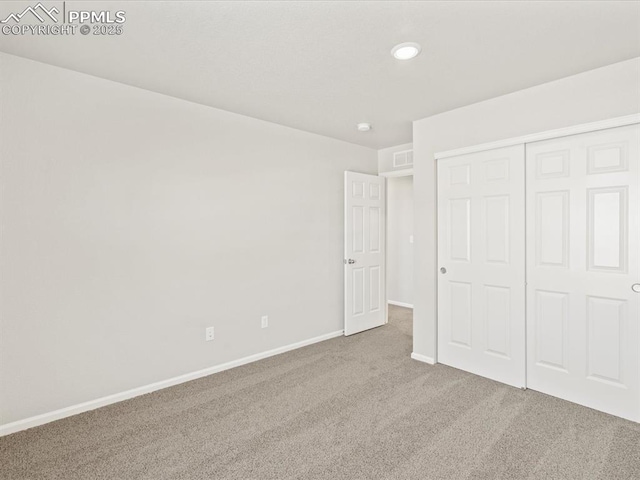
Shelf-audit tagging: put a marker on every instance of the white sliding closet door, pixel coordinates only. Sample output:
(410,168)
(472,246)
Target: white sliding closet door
(481,289)
(582,262)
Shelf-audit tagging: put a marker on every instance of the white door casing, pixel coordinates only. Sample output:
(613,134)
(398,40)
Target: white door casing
(583,246)
(364,250)
(481,257)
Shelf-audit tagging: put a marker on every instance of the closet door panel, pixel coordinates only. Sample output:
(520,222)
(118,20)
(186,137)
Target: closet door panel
(481,256)
(582,260)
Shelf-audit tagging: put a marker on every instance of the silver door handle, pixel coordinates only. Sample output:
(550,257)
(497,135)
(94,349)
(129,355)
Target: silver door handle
(636,287)
(351,261)
(443,270)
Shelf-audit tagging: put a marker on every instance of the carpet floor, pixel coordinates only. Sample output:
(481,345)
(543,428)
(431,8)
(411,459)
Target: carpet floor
(347,408)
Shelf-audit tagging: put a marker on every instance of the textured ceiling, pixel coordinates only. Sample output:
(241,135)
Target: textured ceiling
(324,66)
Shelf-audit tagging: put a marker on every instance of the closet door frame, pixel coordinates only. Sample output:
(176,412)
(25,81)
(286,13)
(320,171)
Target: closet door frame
(546,135)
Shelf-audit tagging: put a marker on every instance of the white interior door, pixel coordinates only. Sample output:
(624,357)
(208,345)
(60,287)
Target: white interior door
(481,282)
(364,247)
(582,261)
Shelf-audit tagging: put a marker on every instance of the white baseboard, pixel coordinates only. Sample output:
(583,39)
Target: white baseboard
(400,304)
(135,392)
(423,358)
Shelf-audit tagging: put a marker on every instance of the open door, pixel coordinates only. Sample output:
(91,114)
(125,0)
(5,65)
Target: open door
(364,250)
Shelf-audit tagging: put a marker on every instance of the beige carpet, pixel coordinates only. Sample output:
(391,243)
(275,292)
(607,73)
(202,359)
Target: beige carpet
(348,408)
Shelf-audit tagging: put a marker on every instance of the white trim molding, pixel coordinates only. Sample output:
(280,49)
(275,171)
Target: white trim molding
(135,392)
(400,304)
(405,172)
(423,358)
(546,135)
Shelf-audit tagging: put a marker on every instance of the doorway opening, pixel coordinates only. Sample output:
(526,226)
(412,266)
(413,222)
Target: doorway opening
(400,250)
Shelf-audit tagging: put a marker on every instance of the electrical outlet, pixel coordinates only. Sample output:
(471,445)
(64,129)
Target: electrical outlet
(265,321)
(209,334)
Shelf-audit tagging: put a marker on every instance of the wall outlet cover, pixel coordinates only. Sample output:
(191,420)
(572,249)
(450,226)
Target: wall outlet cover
(209,334)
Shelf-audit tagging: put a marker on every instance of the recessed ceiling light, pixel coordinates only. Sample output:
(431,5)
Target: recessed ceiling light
(406,51)
(363,127)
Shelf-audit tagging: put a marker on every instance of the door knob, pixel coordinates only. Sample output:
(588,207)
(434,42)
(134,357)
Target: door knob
(351,261)
(636,287)
(443,270)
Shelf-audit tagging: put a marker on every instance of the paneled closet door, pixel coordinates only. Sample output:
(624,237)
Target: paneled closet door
(481,289)
(582,263)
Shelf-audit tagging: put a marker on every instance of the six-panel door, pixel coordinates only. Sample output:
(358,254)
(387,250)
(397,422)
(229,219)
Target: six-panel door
(583,242)
(481,238)
(364,271)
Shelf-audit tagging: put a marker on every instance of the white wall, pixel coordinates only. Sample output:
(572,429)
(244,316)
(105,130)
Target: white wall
(132,220)
(385,158)
(399,249)
(599,94)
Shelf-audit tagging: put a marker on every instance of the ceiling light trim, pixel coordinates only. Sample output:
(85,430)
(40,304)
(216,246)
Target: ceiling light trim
(406,51)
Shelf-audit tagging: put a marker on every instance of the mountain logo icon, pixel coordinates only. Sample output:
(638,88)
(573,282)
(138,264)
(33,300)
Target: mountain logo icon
(39,11)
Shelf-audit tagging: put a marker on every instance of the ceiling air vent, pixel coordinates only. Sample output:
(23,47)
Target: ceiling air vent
(403,158)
